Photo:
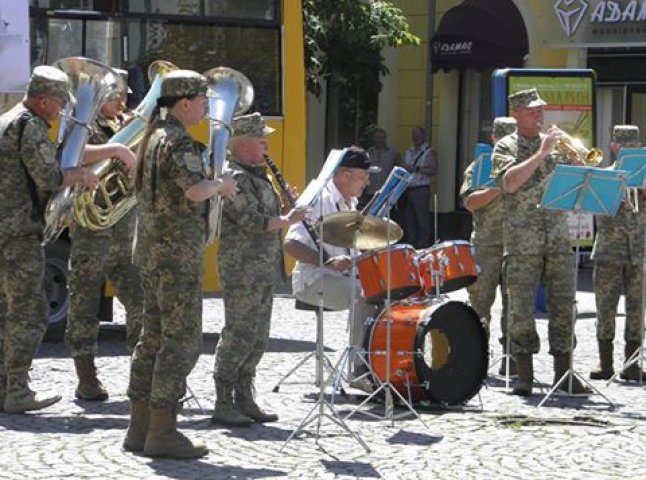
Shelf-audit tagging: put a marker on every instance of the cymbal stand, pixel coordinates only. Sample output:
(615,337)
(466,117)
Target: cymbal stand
(570,373)
(638,355)
(322,409)
(385,384)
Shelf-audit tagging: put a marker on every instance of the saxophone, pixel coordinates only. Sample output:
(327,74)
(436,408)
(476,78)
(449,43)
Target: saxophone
(115,196)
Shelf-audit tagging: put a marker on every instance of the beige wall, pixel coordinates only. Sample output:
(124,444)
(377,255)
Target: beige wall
(402,100)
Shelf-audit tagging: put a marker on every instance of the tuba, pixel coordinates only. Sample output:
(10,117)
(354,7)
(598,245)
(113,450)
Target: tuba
(574,150)
(92,83)
(230,93)
(102,208)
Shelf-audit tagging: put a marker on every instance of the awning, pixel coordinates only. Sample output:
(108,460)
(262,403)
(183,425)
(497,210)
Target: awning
(480,34)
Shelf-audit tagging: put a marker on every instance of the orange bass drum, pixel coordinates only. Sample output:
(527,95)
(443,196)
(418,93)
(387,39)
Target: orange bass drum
(438,353)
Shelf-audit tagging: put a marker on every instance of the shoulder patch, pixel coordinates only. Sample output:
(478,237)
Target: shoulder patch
(46,152)
(193,161)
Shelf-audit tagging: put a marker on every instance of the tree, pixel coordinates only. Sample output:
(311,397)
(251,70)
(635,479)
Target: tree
(343,40)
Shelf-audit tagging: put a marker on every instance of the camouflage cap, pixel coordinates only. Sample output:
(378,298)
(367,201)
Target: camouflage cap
(503,126)
(625,134)
(124,76)
(526,98)
(49,81)
(252,125)
(183,83)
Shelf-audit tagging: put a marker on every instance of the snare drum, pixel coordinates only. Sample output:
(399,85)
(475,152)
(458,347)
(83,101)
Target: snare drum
(451,262)
(438,352)
(373,270)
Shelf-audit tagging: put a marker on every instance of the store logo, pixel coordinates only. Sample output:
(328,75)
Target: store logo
(570,13)
(452,48)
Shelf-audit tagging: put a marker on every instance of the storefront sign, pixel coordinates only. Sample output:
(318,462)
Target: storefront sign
(585,23)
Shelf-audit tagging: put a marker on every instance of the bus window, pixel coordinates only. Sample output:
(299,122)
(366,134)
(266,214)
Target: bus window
(200,47)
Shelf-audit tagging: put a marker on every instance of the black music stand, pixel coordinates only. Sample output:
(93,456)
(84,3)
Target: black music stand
(579,190)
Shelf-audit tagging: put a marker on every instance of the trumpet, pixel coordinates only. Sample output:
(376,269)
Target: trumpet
(575,151)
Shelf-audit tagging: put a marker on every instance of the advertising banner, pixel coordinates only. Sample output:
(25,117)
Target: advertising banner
(14,45)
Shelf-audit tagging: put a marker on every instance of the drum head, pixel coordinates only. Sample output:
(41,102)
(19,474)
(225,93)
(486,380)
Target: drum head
(453,354)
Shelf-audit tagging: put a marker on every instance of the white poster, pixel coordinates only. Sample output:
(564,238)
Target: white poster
(14,45)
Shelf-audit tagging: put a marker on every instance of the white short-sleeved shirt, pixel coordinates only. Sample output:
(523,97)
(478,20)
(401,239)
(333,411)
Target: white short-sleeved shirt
(330,201)
(418,157)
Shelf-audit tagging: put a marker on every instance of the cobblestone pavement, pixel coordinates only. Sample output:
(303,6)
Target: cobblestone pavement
(504,437)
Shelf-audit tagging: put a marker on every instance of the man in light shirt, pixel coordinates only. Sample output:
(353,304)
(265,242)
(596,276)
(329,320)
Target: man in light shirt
(332,280)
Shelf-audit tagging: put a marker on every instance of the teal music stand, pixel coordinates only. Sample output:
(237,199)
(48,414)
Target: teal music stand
(633,160)
(582,190)
(481,177)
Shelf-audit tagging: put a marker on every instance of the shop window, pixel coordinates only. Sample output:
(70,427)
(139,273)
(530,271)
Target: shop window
(253,9)
(109,6)
(201,47)
(56,38)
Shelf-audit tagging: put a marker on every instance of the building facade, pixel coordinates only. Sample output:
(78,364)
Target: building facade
(445,83)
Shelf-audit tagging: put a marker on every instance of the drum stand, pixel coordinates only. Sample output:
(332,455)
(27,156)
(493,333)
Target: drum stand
(318,411)
(385,384)
(570,373)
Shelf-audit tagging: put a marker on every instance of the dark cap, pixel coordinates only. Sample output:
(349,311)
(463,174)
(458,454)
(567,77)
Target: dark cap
(358,158)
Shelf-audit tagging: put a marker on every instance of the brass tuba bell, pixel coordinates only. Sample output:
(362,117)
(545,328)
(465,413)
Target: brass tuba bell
(93,83)
(576,152)
(230,93)
(102,208)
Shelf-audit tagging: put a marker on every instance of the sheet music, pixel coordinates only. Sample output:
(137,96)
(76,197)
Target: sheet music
(315,186)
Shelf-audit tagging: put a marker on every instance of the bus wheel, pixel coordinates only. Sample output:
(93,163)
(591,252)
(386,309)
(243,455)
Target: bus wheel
(55,284)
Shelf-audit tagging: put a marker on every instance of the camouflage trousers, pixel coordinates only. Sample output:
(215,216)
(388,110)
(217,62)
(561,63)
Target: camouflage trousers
(523,273)
(247,313)
(482,293)
(91,265)
(609,277)
(23,307)
(171,339)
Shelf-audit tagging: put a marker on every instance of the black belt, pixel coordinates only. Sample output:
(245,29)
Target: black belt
(418,186)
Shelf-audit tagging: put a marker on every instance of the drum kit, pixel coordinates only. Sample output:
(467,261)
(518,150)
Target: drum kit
(427,347)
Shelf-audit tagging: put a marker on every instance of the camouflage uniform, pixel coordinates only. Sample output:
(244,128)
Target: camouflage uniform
(169,250)
(95,258)
(618,256)
(30,173)
(251,263)
(536,247)
(487,236)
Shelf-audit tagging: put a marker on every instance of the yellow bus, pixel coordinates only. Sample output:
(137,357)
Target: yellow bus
(263,39)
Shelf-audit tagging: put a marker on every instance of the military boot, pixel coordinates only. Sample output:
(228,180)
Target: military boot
(225,412)
(89,386)
(524,362)
(561,366)
(633,372)
(245,403)
(513,370)
(138,426)
(164,440)
(605,370)
(20,398)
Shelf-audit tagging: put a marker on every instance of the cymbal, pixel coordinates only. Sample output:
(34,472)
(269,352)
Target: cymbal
(354,230)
